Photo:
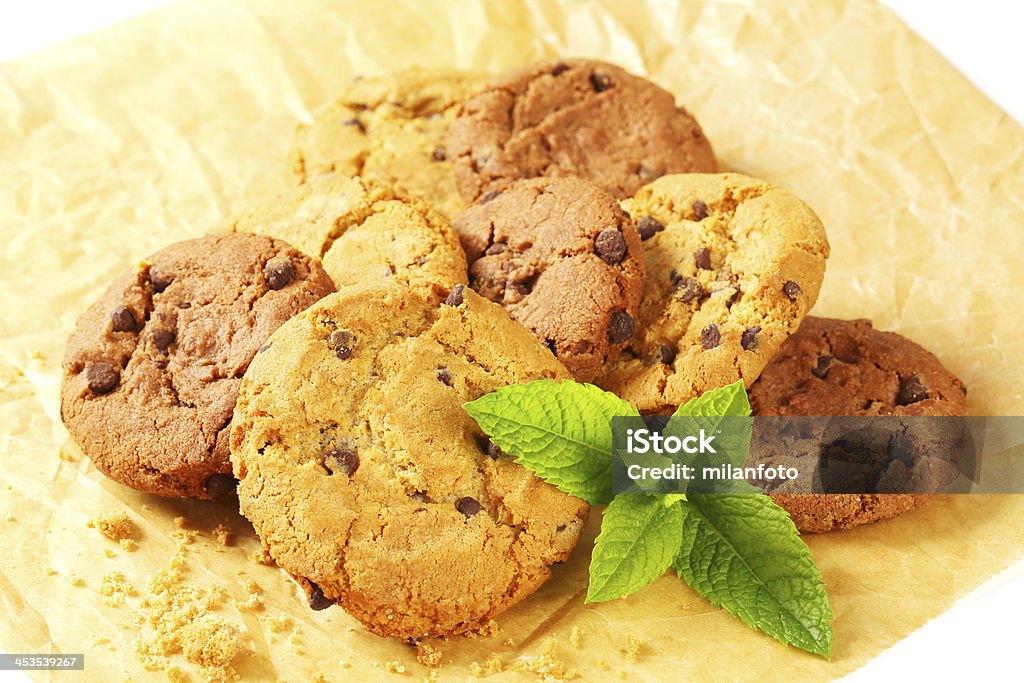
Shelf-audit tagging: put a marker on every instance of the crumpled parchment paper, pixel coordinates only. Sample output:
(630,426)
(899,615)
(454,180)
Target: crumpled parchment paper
(153,131)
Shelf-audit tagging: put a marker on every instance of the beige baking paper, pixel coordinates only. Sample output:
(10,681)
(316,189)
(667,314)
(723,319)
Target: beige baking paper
(117,144)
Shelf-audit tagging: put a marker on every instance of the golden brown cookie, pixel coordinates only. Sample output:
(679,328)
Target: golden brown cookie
(846,367)
(364,476)
(733,265)
(391,128)
(565,260)
(152,369)
(573,117)
(362,230)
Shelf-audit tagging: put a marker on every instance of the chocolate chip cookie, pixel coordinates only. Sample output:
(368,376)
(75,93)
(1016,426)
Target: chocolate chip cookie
(364,476)
(733,266)
(846,367)
(573,117)
(362,230)
(391,128)
(565,261)
(151,371)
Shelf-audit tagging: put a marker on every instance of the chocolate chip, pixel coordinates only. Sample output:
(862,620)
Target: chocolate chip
(444,376)
(279,271)
(455,296)
(963,389)
(600,82)
(610,246)
(525,285)
(649,226)
(440,153)
(489,196)
(710,337)
(620,329)
(317,600)
(648,174)
(496,248)
(493,450)
(748,340)
(355,121)
(341,342)
(163,338)
(791,289)
(821,369)
(264,347)
(689,288)
(160,281)
(340,461)
(102,377)
(123,320)
(700,209)
(667,353)
(702,257)
(912,390)
(467,506)
(419,497)
(220,486)
(559,69)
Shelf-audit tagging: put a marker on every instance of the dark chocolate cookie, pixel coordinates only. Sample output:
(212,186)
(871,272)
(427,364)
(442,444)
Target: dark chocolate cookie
(573,117)
(151,371)
(846,367)
(565,261)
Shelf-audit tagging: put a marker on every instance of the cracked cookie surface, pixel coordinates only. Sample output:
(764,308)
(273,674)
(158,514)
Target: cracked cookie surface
(573,117)
(364,476)
(152,369)
(563,258)
(846,367)
(362,230)
(391,128)
(733,265)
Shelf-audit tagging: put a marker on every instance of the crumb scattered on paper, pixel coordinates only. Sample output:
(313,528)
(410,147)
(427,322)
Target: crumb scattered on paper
(547,665)
(631,649)
(428,655)
(115,588)
(115,525)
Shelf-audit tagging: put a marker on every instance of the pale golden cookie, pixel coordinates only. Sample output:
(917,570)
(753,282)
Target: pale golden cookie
(362,230)
(392,128)
(365,477)
(733,265)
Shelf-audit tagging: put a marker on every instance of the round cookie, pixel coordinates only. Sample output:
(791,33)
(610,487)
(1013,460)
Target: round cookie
(151,371)
(365,477)
(846,367)
(573,117)
(565,260)
(362,230)
(733,266)
(391,128)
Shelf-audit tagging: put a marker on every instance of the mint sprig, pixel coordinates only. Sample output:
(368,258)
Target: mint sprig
(741,552)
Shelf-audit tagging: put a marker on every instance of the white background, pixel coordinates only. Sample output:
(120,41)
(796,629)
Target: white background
(980,637)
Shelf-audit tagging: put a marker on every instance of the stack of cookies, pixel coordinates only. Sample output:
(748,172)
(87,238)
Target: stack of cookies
(449,234)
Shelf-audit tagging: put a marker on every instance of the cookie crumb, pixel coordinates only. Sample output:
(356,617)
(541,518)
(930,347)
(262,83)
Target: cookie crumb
(115,525)
(428,655)
(11,518)
(632,649)
(492,665)
(129,544)
(109,554)
(547,665)
(223,535)
(431,677)
(574,636)
(175,674)
(254,599)
(76,581)
(276,624)
(115,588)
(394,667)
(262,556)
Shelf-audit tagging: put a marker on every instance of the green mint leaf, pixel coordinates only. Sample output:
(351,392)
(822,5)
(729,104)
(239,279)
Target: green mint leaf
(744,554)
(724,412)
(638,541)
(561,431)
(730,400)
